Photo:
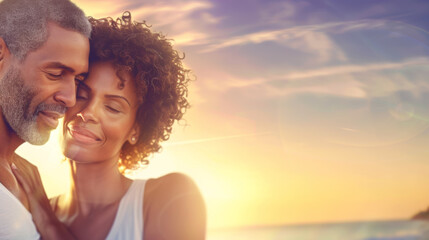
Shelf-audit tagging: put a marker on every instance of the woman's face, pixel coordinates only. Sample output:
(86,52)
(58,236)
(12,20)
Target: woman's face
(103,118)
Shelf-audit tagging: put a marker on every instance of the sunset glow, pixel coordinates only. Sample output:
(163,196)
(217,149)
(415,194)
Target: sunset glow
(301,111)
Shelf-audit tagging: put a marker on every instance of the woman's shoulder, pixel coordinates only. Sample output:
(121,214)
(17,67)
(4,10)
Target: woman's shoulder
(177,206)
(172,183)
(164,189)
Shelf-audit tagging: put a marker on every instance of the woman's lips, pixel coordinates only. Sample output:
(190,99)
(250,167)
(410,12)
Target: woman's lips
(83,135)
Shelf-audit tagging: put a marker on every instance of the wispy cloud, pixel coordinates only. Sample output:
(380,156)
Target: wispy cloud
(216,139)
(178,17)
(276,12)
(331,71)
(101,9)
(349,129)
(350,69)
(297,32)
(184,21)
(346,80)
(346,87)
(190,38)
(175,8)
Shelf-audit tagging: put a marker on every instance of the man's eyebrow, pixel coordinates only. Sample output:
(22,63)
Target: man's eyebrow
(117,96)
(60,65)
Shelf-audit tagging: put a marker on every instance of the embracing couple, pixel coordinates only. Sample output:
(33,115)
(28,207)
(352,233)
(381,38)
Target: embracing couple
(120,88)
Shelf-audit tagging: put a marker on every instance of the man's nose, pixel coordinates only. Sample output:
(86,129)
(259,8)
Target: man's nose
(66,95)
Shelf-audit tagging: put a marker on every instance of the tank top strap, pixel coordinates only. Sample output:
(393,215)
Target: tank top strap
(128,223)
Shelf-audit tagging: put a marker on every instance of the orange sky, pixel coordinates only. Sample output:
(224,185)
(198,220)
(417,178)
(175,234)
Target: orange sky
(291,121)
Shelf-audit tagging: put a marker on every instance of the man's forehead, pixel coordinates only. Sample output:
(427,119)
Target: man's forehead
(65,49)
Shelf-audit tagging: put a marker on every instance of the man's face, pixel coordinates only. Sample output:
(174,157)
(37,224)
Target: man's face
(37,91)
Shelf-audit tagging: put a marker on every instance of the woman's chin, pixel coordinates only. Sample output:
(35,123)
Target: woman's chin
(76,153)
(72,151)
(80,154)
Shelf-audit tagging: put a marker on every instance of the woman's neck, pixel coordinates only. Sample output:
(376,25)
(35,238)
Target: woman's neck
(96,185)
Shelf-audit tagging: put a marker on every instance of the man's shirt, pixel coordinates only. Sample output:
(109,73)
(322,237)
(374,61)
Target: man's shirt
(15,221)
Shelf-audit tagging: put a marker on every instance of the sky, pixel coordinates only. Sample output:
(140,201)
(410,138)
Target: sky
(302,111)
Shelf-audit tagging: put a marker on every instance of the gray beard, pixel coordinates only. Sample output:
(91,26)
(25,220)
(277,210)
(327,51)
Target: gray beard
(15,100)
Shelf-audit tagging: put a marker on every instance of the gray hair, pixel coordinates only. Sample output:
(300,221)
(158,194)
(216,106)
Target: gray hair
(24,23)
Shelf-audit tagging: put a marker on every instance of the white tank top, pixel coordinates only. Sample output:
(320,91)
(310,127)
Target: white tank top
(128,223)
(15,221)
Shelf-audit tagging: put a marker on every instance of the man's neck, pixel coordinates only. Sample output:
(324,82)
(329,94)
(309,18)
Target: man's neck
(9,140)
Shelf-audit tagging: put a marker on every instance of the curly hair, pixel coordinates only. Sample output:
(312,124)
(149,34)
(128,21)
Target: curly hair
(157,69)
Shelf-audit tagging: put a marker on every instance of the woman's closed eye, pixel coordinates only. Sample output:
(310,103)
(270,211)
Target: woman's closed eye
(81,94)
(114,105)
(80,97)
(113,109)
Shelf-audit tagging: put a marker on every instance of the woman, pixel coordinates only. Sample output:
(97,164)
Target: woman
(134,91)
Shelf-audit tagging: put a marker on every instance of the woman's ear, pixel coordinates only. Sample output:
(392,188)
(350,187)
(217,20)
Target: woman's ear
(134,134)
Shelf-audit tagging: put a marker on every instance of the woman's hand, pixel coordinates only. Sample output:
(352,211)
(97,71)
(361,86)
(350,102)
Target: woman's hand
(47,223)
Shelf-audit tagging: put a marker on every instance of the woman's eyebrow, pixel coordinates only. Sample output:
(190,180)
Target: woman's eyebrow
(86,87)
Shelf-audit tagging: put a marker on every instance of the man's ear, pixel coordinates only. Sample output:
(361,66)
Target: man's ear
(4,52)
(134,134)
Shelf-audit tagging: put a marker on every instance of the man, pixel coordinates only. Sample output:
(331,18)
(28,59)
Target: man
(44,51)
